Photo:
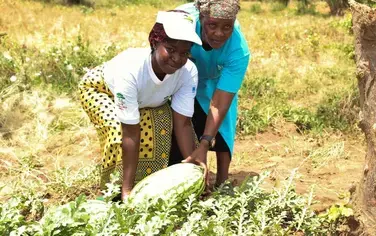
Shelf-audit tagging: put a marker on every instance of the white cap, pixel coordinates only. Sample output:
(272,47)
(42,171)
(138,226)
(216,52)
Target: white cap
(179,25)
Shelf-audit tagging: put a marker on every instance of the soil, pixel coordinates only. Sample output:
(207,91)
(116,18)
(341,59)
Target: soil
(283,150)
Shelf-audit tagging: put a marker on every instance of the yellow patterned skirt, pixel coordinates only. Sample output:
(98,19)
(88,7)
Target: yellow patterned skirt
(156,128)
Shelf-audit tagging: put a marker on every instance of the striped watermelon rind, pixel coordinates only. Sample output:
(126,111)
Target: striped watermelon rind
(177,182)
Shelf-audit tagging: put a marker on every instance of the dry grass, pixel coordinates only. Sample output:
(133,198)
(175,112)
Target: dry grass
(48,143)
(42,26)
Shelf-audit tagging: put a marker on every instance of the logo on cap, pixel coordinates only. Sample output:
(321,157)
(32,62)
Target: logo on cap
(188,18)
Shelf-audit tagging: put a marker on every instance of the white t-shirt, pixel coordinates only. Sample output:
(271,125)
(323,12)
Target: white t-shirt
(131,79)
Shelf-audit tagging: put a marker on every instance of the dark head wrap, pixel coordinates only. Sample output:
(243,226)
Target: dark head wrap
(221,9)
(158,34)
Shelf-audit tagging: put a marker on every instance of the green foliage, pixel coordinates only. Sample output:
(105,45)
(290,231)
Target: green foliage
(256,8)
(336,111)
(268,102)
(69,184)
(304,119)
(279,6)
(60,66)
(313,40)
(252,121)
(260,87)
(348,50)
(304,8)
(283,2)
(18,213)
(14,64)
(335,212)
(344,23)
(245,209)
(340,110)
(8,68)
(337,7)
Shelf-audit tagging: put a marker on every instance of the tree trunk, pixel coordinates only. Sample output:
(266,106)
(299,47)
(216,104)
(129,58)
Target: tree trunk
(364,27)
(337,7)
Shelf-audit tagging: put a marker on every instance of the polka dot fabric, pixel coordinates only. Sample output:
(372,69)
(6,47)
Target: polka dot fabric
(156,127)
(155,143)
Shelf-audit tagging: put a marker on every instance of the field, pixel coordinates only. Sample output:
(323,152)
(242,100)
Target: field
(298,106)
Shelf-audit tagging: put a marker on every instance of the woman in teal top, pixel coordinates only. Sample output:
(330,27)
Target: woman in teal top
(222,61)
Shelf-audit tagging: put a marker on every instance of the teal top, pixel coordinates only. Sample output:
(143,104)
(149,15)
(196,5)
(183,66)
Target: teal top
(223,69)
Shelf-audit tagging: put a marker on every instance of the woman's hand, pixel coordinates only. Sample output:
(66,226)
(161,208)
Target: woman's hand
(199,157)
(125,193)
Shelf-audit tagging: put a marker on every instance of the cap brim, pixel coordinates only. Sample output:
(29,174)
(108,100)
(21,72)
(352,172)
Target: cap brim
(177,33)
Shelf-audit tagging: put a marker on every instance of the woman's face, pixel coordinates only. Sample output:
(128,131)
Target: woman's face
(170,56)
(216,31)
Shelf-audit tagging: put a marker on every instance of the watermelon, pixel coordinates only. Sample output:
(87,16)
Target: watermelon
(178,181)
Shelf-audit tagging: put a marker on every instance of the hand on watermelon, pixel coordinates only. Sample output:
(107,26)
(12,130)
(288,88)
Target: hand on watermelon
(125,194)
(198,157)
(126,189)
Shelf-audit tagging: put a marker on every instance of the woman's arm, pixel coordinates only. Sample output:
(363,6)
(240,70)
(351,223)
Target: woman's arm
(130,148)
(219,106)
(184,134)
(228,85)
(184,137)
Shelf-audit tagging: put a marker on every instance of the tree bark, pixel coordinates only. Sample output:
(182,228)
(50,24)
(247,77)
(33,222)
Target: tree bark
(364,28)
(337,7)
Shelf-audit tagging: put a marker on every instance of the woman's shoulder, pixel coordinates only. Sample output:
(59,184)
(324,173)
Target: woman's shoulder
(132,55)
(189,68)
(188,73)
(131,58)
(129,61)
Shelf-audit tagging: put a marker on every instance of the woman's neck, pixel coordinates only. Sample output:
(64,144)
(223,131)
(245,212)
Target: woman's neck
(157,71)
(160,76)
(206,46)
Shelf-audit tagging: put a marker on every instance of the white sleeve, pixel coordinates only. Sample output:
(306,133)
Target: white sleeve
(126,104)
(183,100)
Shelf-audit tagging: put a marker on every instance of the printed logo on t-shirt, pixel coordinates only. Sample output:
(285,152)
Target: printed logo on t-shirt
(121,101)
(193,89)
(166,98)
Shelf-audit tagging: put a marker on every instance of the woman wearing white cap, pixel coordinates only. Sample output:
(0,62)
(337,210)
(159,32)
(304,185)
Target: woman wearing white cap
(127,97)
